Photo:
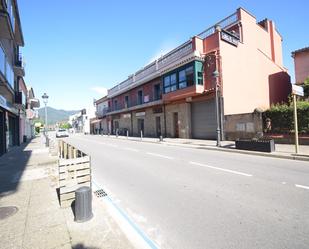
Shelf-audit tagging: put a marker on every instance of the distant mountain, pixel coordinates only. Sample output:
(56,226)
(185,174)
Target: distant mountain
(55,115)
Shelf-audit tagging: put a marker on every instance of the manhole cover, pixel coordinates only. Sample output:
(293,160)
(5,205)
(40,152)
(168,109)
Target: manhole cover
(100,193)
(7,211)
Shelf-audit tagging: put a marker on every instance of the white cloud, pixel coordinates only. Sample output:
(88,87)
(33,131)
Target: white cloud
(100,90)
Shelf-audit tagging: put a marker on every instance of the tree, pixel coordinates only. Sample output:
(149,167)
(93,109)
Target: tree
(65,126)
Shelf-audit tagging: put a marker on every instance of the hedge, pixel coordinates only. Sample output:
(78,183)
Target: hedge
(282,120)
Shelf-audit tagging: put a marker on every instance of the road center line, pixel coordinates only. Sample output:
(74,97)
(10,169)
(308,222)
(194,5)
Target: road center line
(217,168)
(159,155)
(301,186)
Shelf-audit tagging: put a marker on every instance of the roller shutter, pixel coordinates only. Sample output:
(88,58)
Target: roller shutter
(204,119)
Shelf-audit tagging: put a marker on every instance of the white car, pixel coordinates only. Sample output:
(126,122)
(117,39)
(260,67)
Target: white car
(62,133)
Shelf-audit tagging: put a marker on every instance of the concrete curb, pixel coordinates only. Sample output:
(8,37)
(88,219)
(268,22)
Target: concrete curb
(232,150)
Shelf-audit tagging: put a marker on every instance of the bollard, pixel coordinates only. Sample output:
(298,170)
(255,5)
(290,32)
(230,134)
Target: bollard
(141,135)
(161,138)
(116,132)
(83,204)
(127,134)
(47,141)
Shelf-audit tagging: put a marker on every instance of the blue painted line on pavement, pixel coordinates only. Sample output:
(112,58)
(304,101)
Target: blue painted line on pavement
(149,242)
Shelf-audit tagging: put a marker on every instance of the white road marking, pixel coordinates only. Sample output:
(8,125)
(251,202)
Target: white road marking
(217,168)
(159,155)
(301,186)
(131,149)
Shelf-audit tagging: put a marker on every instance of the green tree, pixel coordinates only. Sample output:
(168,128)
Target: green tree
(65,126)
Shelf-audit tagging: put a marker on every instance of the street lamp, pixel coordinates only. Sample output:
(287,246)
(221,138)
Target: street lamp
(216,75)
(45,100)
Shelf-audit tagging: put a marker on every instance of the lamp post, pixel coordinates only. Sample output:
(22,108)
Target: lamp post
(216,74)
(45,100)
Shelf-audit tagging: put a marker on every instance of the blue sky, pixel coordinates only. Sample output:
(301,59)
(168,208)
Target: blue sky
(74,49)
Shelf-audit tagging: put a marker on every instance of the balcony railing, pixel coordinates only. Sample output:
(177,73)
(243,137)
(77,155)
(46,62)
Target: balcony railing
(154,67)
(19,60)
(102,113)
(228,21)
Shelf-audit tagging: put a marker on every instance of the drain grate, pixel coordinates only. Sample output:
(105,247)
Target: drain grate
(100,193)
(6,212)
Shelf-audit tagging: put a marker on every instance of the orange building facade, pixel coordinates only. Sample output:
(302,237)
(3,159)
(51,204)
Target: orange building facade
(175,96)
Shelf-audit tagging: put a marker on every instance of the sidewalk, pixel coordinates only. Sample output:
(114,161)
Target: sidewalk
(286,151)
(28,181)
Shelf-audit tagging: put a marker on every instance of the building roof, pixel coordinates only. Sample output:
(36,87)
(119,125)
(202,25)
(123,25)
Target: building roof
(101,100)
(305,49)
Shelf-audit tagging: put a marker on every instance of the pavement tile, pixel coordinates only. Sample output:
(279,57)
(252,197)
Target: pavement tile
(10,230)
(51,237)
(14,242)
(44,221)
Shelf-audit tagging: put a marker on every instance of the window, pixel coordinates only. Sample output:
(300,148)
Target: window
(140,97)
(199,78)
(190,75)
(182,79)
(115,105)
(167,83)
(126,101)
(173,82)
(170,83)
(157,92)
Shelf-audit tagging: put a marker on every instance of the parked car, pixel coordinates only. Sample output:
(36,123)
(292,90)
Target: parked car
(62,133)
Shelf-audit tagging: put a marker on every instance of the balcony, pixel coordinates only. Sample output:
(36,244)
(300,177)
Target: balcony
(156,68)
(101,114)
(136,107)
(19,66)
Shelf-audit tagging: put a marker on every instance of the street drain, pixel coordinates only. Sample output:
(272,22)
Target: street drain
(100,193)
(6,212)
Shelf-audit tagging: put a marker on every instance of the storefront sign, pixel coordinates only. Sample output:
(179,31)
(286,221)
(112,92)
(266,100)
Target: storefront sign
(225,36)
(297,90)
(139,114)
(127,115)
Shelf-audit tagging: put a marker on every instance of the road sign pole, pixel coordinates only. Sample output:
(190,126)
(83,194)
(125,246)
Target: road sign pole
(295,124)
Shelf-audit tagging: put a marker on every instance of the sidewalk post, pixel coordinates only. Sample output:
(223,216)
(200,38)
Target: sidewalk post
(295,125)
(127,134)
(141,134)
(296,90)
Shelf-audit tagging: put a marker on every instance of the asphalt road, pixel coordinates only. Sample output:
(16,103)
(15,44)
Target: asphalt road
(192,198)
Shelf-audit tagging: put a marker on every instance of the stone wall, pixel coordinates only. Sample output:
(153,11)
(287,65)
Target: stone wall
(246,125)
(184,119)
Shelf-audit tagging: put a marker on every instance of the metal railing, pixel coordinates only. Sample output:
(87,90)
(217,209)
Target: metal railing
(232,19)
(154,66)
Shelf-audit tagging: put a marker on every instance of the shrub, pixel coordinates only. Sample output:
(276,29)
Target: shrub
(282,120)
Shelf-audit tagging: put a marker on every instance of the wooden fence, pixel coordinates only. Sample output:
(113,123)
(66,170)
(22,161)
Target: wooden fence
(74,172)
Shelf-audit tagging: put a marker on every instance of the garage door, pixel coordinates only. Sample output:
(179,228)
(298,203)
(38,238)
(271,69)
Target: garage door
(204,122)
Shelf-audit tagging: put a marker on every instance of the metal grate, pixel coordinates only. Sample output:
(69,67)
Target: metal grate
(100,193)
